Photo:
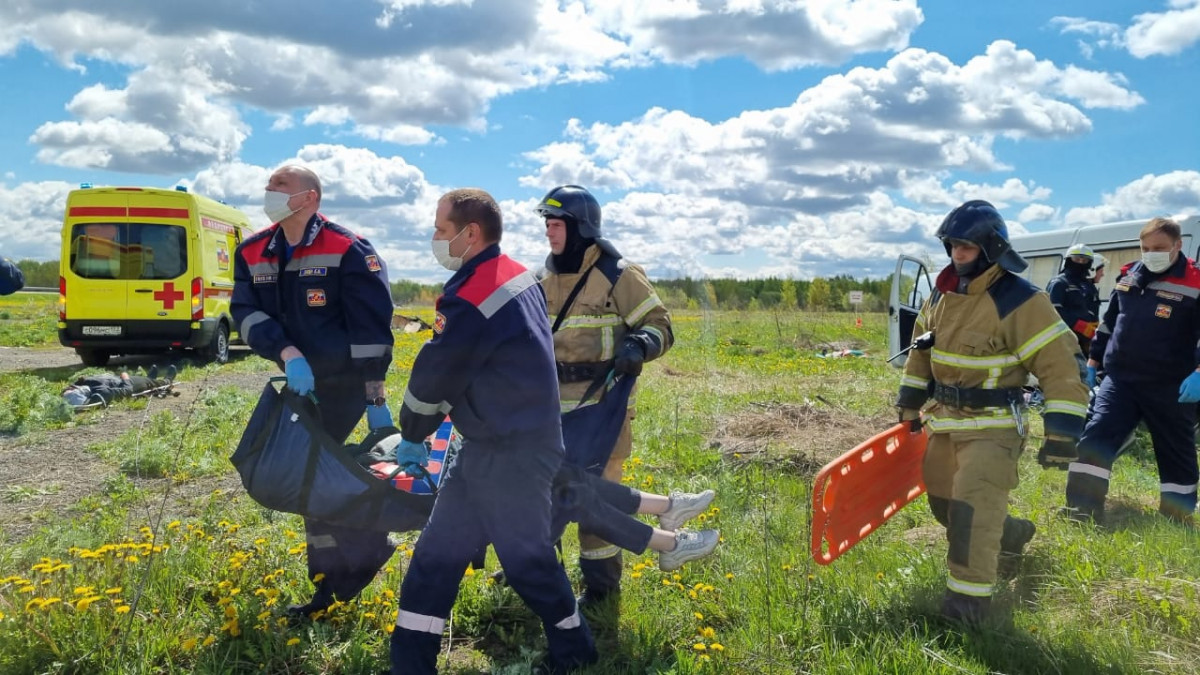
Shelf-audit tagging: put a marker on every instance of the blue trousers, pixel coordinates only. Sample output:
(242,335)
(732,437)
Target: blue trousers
(347,558)
(1117,409)
(497,493)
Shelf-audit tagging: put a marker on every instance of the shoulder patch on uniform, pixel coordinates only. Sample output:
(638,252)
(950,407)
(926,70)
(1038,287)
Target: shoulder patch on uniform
(1010,292)
(373,263)
(316,297)
(314,271)
(439,322)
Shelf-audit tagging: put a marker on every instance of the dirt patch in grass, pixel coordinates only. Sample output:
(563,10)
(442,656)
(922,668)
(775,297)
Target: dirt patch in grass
(47,472)
(799,438)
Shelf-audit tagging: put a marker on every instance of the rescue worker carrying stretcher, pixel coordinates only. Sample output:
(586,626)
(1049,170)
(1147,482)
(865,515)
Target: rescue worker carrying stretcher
(607,317)
(490,365)
(1074,295)
(1149,343)
(991,328)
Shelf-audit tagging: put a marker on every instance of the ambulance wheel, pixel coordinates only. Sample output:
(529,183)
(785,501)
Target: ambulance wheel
(217,351)
(93,357)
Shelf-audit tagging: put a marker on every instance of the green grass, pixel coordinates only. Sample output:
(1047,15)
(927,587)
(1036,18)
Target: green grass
(28,320)
(139,591)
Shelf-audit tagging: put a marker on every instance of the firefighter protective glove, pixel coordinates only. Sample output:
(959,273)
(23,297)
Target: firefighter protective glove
(1057,453)
(913,417)
(1189,390)
(411,452)
(299,375)
(1090,380)
(378,416)
(630,358)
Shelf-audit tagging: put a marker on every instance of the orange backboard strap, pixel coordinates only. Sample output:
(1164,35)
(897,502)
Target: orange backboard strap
(856,493)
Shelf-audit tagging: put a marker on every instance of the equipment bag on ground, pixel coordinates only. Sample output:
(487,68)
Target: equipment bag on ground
(288,463)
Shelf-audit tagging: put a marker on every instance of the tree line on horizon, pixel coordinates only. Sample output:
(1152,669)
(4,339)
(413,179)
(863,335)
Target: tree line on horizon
(770,293)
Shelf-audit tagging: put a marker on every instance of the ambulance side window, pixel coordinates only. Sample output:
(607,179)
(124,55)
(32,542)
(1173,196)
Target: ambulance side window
(161,250)
(96,250)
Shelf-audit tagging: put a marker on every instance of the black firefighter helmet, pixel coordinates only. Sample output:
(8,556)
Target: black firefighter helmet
(980,223)
(576,204)
(579,209)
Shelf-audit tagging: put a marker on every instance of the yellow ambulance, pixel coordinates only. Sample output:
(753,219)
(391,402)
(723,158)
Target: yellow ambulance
(147,270)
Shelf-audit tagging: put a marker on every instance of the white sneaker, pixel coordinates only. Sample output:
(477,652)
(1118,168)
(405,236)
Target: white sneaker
(684,506)
(689,545)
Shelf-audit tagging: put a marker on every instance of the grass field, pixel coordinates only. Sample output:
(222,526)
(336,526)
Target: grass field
(744,405)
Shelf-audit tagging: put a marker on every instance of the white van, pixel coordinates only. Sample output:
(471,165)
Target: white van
(1118,242)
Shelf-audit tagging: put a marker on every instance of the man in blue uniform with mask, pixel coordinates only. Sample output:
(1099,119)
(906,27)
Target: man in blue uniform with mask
(490,365)
(313,297)
(1148,343)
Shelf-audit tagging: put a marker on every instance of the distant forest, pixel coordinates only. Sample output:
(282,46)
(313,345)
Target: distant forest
(686,293)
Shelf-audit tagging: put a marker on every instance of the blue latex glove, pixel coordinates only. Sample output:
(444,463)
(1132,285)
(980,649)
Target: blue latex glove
(299,375)
(410,452)
(1090,380)
(378,416)
(1189,390)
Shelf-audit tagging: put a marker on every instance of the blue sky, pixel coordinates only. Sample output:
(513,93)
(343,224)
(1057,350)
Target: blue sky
(723,137)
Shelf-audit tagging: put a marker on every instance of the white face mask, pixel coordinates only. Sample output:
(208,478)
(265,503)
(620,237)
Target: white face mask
(441,251)
(275,204)
(1156,261)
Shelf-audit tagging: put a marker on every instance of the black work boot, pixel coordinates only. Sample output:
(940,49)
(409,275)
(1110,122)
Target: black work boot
(968,610)
(1016,534)
(1178,513)
(1086,495)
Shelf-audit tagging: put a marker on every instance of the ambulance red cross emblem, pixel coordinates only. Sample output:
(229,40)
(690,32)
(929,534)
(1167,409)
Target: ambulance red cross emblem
(168,296)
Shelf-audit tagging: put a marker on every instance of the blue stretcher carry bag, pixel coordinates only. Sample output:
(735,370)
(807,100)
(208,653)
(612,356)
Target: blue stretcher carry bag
(288,463)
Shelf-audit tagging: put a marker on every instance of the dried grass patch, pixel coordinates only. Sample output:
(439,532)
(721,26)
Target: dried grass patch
(799,438)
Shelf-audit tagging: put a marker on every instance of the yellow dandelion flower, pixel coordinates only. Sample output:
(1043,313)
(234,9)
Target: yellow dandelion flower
(676,577)
(113,591)
(785,567)
(715,510)
(390,627)
(174,525)
(84,603)
(1,616)
(699,616)
(639,567)
(221,602)
(293,642)
(318,577)
(717,647)
(692,595)
(231,612)
(83,590)
(122,609)
(470,571)
(702,517)
(34,603)
(666,582)
(208,641)
(188,644)
(707,632)
(262,616)
(635,575)
(389,594)
(879,576)
(699,646)
(705,658)
(131,559)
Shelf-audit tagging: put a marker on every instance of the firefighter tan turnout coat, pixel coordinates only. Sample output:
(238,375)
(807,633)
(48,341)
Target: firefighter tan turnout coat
(616,299)
(986,343)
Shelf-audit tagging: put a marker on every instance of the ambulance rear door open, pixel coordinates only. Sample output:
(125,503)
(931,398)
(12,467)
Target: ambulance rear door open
(911,287)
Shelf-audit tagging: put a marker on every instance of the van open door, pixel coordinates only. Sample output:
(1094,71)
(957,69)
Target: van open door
(910,288)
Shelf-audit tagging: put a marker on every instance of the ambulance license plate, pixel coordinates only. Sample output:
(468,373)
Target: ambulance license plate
(102,330)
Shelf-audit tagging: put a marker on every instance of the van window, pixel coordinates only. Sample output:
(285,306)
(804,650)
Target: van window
(1042,269)
(1117,258)
(128,251)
